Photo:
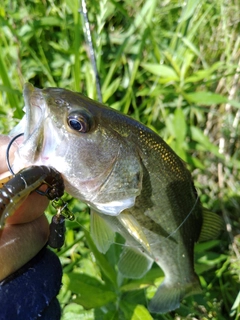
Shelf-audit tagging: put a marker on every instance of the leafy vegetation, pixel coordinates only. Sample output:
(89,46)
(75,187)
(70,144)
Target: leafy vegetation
(173,65)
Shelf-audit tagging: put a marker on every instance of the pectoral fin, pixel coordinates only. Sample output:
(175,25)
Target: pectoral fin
(133,263)
(101,232)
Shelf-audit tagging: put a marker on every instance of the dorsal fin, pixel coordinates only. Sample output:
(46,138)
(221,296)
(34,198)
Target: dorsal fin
(212,225)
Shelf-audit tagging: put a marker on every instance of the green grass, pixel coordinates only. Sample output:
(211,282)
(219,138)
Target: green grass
(174,65)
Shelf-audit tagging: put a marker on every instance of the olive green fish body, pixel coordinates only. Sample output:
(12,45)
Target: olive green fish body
(131,179)
(168,208)
(169,214)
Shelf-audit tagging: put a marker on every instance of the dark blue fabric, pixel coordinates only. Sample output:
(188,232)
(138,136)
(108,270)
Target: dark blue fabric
(31,292)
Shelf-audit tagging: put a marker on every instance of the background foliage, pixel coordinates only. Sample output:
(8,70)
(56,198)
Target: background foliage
(173,65)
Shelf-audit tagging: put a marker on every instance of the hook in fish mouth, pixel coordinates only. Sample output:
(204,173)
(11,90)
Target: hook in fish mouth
(8,160)
(8,150)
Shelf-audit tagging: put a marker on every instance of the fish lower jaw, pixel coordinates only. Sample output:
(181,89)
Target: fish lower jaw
(114,208)
(19,163)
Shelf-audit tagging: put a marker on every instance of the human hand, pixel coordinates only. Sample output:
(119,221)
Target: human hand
(31,276)
(26,232)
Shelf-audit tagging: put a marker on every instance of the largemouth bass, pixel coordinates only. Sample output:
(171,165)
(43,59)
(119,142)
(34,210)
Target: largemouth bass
(131,179)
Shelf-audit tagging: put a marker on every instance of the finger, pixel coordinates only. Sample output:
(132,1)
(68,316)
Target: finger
(31,209)
(35,204)
(21,242)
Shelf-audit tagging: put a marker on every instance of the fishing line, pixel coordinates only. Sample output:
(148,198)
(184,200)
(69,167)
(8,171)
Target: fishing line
(116,243)
(185,219)
(42,193)
(150,243)
(8,150)
(88,38)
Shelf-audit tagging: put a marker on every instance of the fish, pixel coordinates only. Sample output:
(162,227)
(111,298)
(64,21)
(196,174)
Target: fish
(133,182)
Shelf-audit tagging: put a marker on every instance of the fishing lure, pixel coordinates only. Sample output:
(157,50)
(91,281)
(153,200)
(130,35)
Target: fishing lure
(57,225)
(23,183)
(18,186)
(15,189)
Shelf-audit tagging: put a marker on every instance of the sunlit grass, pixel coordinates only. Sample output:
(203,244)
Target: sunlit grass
(174,65)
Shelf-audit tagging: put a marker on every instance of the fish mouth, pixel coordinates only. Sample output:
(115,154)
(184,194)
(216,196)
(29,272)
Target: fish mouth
(32,127)
(41,140)
(34,108)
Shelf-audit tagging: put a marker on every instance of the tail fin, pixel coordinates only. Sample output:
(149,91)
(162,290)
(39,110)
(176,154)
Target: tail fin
(169,295)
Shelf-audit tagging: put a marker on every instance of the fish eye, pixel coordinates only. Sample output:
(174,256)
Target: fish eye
(80,121)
